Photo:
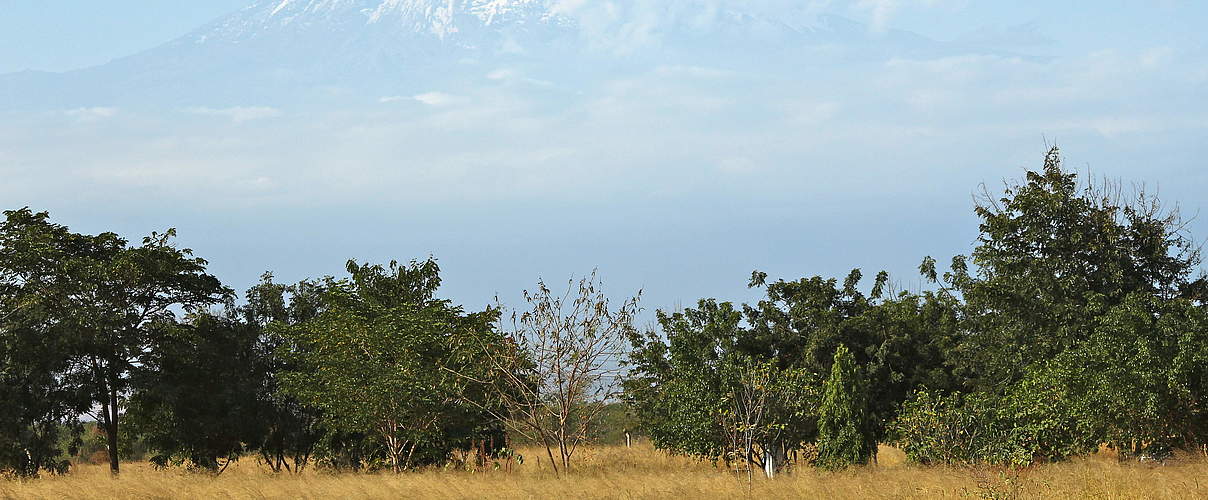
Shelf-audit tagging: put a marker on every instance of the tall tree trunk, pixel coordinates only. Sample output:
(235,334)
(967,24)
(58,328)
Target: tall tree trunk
(111,430)
(550,452)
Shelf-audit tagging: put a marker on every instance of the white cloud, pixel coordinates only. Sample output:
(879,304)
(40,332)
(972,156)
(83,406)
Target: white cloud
(92,114)
(238,114)
(629,26)
(437,99)
(261,183)
(825,126)
(501,74)
(434,98)
(568,6)
(511,75)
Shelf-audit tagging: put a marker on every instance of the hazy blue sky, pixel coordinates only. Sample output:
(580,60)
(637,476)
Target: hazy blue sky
(59,35)
(679,180)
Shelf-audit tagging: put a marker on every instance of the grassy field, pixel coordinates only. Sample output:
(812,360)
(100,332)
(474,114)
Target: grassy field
(641,472)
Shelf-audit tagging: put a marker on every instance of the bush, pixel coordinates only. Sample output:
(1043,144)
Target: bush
(935,428)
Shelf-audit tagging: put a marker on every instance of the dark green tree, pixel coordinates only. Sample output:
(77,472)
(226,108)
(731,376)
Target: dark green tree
(1052,254)
(898,344)
(84,306)
(206,392)
(765,412)
(293,429)
(1080,325)
(42,384)
(40,400)
(682,377)
(199,394)
(843,432)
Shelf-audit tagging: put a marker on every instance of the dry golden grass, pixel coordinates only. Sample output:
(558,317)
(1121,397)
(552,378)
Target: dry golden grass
(642,472)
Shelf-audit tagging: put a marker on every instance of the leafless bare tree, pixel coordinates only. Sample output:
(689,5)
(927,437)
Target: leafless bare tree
(559,365)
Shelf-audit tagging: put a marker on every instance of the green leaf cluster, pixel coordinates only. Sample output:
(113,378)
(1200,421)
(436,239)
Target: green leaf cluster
(382,362)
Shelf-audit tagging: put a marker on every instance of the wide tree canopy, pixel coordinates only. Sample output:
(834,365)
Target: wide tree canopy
(381,363)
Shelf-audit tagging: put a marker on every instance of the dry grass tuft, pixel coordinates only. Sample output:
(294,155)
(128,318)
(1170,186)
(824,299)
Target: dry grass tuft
(642,472)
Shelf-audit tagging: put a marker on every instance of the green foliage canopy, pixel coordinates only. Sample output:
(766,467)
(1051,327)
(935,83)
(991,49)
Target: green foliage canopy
(1081,324)
(373,362)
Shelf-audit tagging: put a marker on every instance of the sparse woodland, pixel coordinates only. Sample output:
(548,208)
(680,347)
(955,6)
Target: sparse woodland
(1073,330)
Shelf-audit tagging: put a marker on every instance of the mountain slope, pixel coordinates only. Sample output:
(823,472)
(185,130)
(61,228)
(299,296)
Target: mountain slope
(440,19)
(277,51)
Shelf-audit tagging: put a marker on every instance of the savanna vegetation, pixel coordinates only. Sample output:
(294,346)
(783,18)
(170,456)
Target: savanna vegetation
(1065,355)
(604,472)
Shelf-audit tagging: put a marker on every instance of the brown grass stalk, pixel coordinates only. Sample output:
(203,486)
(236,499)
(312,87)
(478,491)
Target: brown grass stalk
(641,472)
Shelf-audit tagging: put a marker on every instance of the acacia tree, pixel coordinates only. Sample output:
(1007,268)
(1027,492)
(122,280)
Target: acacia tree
(378,360)
(119,300)
(554,372)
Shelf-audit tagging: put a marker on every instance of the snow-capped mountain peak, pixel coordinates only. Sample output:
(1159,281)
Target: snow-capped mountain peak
(441,18)
(326,48)
(453,19)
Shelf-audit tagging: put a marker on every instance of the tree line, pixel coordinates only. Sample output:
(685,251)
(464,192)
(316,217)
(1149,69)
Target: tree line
(365,372)
(1076,322)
